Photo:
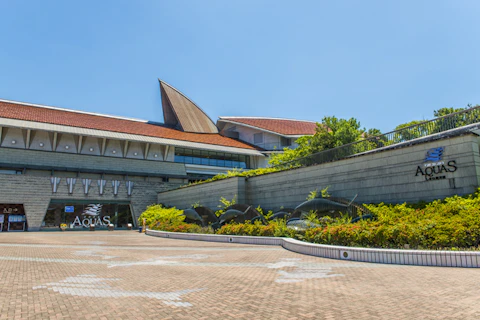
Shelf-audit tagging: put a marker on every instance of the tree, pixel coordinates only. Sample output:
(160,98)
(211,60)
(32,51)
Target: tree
(304,149)
(408,133)
(446,111)
(331,133)
(334,132)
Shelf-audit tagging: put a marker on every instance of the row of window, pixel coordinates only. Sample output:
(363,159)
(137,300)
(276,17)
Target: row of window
(211,158)
(258,139)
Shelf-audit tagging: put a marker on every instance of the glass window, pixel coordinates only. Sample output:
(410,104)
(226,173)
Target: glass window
(79,215)
(285,142)
(211,158)
(258,137)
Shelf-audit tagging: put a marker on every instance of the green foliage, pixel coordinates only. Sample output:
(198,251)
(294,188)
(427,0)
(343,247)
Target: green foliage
(317,193)
(334,132)
(240,173)
(439,125)
(449,224)
(410,133)
(312,195)
(183,227)
(304,149)
(169,219)
(196,205)
(325,193)
(248,229)
(157,213)
(331,133)
(446,111)
(225,204)
(311,217)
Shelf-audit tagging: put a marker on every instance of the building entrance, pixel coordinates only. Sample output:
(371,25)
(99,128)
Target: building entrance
(80,214)
(12,217)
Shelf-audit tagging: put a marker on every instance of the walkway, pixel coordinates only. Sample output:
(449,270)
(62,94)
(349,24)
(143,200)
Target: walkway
(127,275)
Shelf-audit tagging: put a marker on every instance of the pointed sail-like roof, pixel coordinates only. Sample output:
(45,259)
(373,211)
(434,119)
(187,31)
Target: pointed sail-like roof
(181,113)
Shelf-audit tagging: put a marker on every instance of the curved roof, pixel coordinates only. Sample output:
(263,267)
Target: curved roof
(79,119)
(182,113)
(285,127)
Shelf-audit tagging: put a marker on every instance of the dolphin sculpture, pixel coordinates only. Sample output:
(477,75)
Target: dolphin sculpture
(259,218)
(230,214)
(208,216)
(364,217)
(299,224)
(280,215)
(323,205)
(192,215)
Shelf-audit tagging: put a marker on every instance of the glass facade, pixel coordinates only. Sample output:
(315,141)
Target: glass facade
(80,214)
(12,217)
(212,158)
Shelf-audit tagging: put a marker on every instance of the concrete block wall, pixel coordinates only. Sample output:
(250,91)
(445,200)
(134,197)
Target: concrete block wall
(35,193)
(388,176)
(207,194)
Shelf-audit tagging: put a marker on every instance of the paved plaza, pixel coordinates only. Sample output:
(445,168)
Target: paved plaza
(127,275)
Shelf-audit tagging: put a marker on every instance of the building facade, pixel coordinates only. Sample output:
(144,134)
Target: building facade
(73,168)
(270,134)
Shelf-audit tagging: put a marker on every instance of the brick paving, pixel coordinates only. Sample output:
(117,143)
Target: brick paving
(127,275)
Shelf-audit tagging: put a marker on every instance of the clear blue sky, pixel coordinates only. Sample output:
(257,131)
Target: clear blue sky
(382,62)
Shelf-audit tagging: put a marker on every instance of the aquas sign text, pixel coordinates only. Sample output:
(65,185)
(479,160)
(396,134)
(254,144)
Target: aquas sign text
(434,168)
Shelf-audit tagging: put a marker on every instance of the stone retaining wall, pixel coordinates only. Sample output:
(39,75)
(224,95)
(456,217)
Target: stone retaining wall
(390,176)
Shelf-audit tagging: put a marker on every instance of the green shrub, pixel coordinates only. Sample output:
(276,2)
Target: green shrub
(248,229)
(159,214)
(448,224)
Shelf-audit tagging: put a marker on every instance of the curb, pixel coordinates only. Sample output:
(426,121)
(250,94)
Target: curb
(462,259)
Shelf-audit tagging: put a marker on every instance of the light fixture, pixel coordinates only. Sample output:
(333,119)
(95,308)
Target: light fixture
(66,147)
(135,153)
(41,144)
(155,155)
(113,151)
(13,141)
(91,149)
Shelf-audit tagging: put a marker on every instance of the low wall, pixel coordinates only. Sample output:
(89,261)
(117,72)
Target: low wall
(465,259)
(207,194)
(392,176)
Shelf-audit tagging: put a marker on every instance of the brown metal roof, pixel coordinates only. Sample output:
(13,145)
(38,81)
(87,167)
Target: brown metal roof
(181,112)
(23,111)
(280,126)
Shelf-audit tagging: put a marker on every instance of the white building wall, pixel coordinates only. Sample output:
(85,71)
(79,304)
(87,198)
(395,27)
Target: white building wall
(270,141)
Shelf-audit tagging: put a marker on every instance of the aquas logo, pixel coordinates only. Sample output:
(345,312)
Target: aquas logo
(434,167)
(434,154)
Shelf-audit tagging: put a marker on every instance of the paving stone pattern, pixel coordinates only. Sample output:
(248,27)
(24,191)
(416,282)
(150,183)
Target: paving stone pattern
(127,275)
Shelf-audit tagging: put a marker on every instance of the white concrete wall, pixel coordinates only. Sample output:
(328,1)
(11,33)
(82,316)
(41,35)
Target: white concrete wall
(246,134)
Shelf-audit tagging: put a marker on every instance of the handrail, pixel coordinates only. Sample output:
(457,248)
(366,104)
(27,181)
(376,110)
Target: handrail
(419,130)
